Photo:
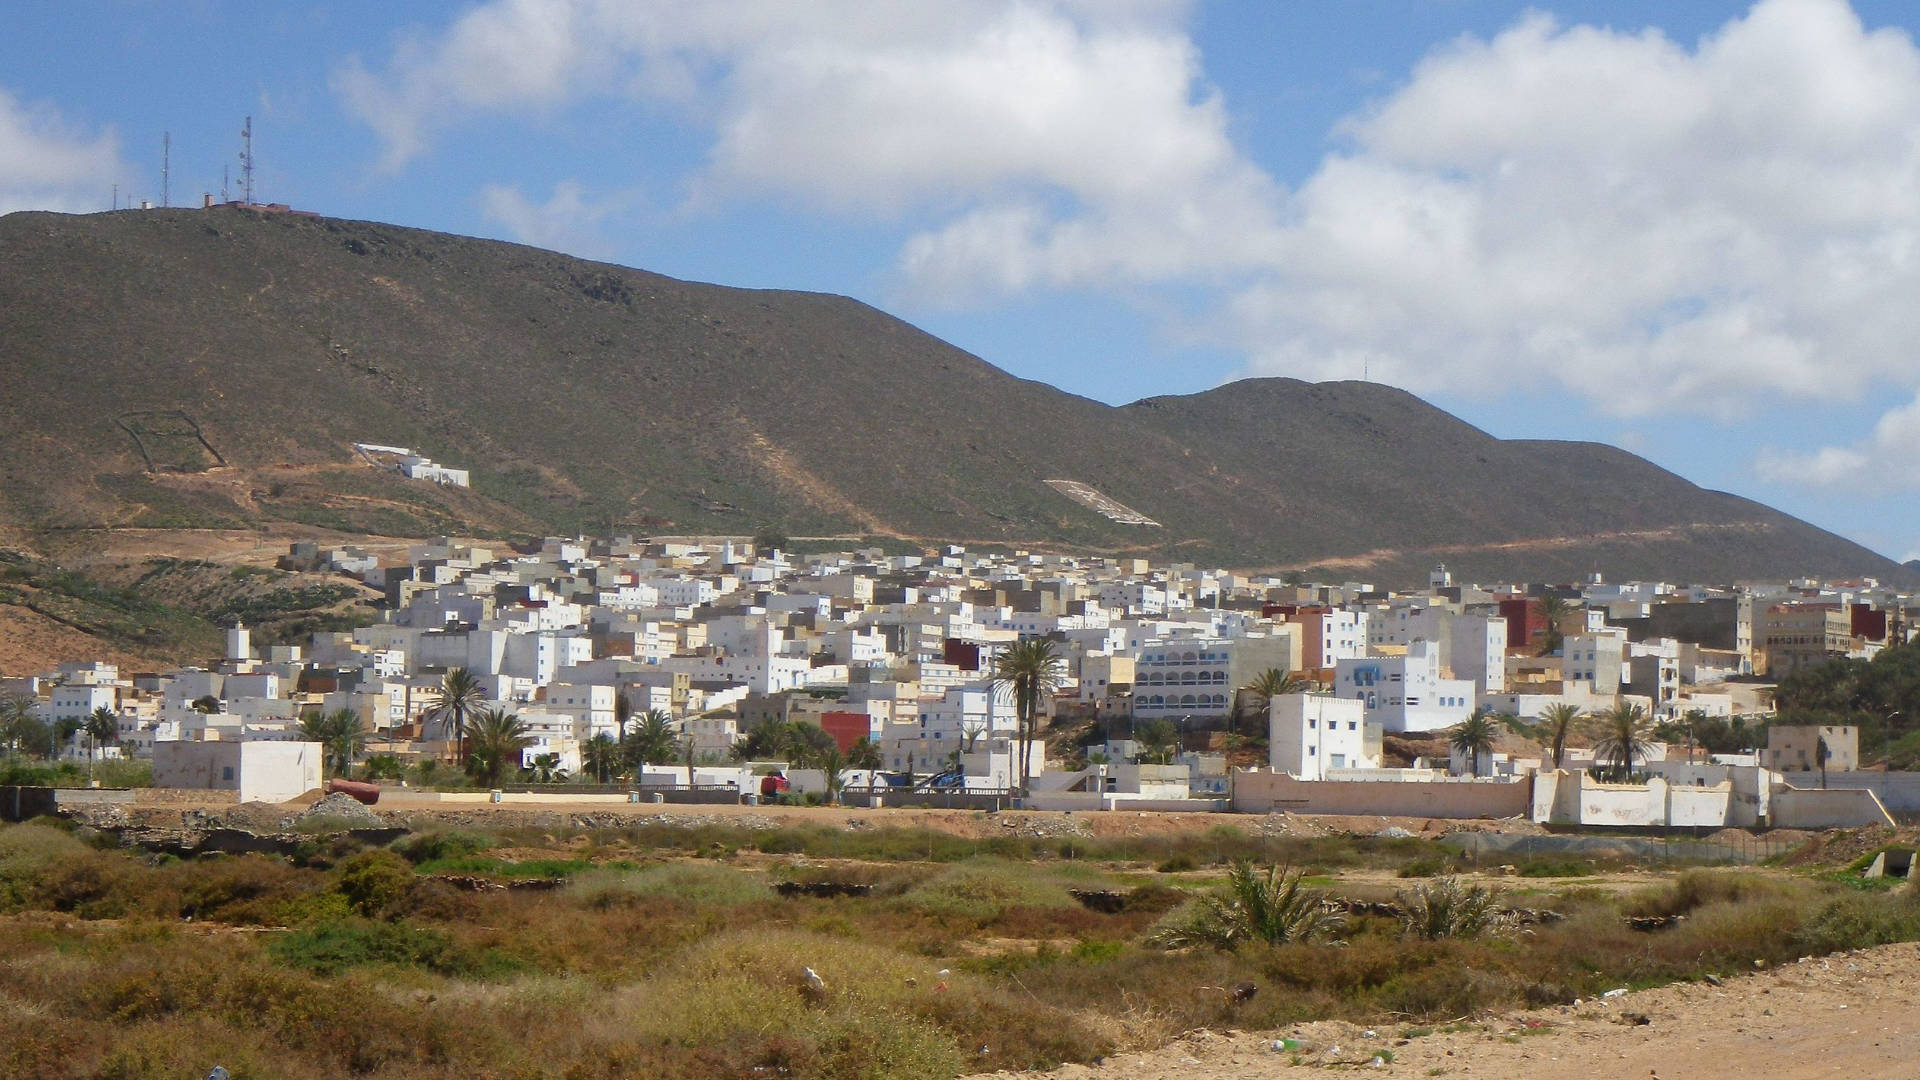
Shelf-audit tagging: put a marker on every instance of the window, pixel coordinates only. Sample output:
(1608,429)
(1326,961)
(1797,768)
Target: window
(226,772)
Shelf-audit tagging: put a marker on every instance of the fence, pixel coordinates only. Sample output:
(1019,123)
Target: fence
(1665,847)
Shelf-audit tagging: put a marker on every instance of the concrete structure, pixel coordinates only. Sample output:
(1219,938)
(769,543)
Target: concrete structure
(1197,677)
(258,771)
(1794,636)
(1406,693)
(1796,747)
(1310,734)
(1391,792)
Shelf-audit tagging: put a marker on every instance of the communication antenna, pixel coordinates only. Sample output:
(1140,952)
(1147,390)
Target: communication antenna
(116,196)
(246,161)
(224,196)
(166,161)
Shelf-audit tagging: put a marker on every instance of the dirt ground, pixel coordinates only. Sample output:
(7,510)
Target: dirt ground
(155,809)
(1850,1014)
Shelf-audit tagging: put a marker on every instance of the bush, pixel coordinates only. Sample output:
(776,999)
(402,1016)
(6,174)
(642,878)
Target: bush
(435,846)
(1270,908)
(374,882)
(1447,907)
(334,947)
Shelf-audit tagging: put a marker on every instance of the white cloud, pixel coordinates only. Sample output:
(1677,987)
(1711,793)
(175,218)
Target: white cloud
(1881,462)
(1644,222)
(568,221)
(48,163)
(1053,142)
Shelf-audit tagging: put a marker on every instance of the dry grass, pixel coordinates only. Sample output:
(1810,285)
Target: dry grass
(122,966)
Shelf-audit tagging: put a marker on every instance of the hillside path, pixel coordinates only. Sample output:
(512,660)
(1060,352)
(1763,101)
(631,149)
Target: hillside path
(1850,1014)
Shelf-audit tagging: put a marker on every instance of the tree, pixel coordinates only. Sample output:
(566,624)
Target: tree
(1553,609)
(207,705)
(833,764)
(1624,732)
(547,770)
(769,539)
(601,756)
(652,741)
(1158,740)
(864,754)
(382,767)
(1266,686)
(622,716)
(1560,720)
(460,699)
(16,718)
(495,737)
(1029,669)
(1272,909)
(101,727)
(342,735)
(1474,737)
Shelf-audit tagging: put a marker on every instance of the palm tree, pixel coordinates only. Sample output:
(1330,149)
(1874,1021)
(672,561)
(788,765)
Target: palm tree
(1474,736)
(622,714)
(460,699)
(16,717)
(1552,610)
(833,764)
(865,754)
(1029,669)
(342,735)
(547,770)
(601,756)
(1272,909)
(1560,719)
(497,737)
(1158,740)
(652,741)
(104,727)
(1270,684)
(1624,732)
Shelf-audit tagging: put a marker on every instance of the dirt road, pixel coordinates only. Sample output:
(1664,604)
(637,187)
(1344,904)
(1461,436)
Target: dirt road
(1850,1014)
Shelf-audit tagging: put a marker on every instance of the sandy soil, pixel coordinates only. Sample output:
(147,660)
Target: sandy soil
(1850,1014)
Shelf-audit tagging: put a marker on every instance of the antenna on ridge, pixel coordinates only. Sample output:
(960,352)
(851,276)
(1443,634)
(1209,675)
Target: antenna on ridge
(166,156)
(224,197)
(246,161)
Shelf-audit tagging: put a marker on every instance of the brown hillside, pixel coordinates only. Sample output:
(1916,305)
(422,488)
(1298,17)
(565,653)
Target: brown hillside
(588,397)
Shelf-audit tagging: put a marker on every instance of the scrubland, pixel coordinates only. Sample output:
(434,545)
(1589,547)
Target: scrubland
(669,952)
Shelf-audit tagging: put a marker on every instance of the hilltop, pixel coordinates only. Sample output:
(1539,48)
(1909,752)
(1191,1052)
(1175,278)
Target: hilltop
(213,369)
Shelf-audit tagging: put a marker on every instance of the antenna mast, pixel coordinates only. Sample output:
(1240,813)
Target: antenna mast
(224,196)
(166,156)
(246,161)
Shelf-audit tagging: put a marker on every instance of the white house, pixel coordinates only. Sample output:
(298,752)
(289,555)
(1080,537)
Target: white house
(258,771)
(1406,693)
(1309,734)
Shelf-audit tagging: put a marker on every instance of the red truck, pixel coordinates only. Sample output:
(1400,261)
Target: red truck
(773,785)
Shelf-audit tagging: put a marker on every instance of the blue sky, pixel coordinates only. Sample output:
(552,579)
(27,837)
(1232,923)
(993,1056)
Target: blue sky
(1691,230)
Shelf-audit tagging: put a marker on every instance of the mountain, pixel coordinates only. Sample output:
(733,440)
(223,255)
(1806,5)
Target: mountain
(214,368)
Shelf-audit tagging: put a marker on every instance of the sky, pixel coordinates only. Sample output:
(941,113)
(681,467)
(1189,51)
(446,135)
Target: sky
(1688,230)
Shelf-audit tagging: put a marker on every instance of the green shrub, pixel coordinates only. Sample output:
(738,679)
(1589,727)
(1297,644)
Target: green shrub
(330,948)
(1447,907)
(702,884)
(448,844)
(374,882)
(1860,920)
(982,890)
